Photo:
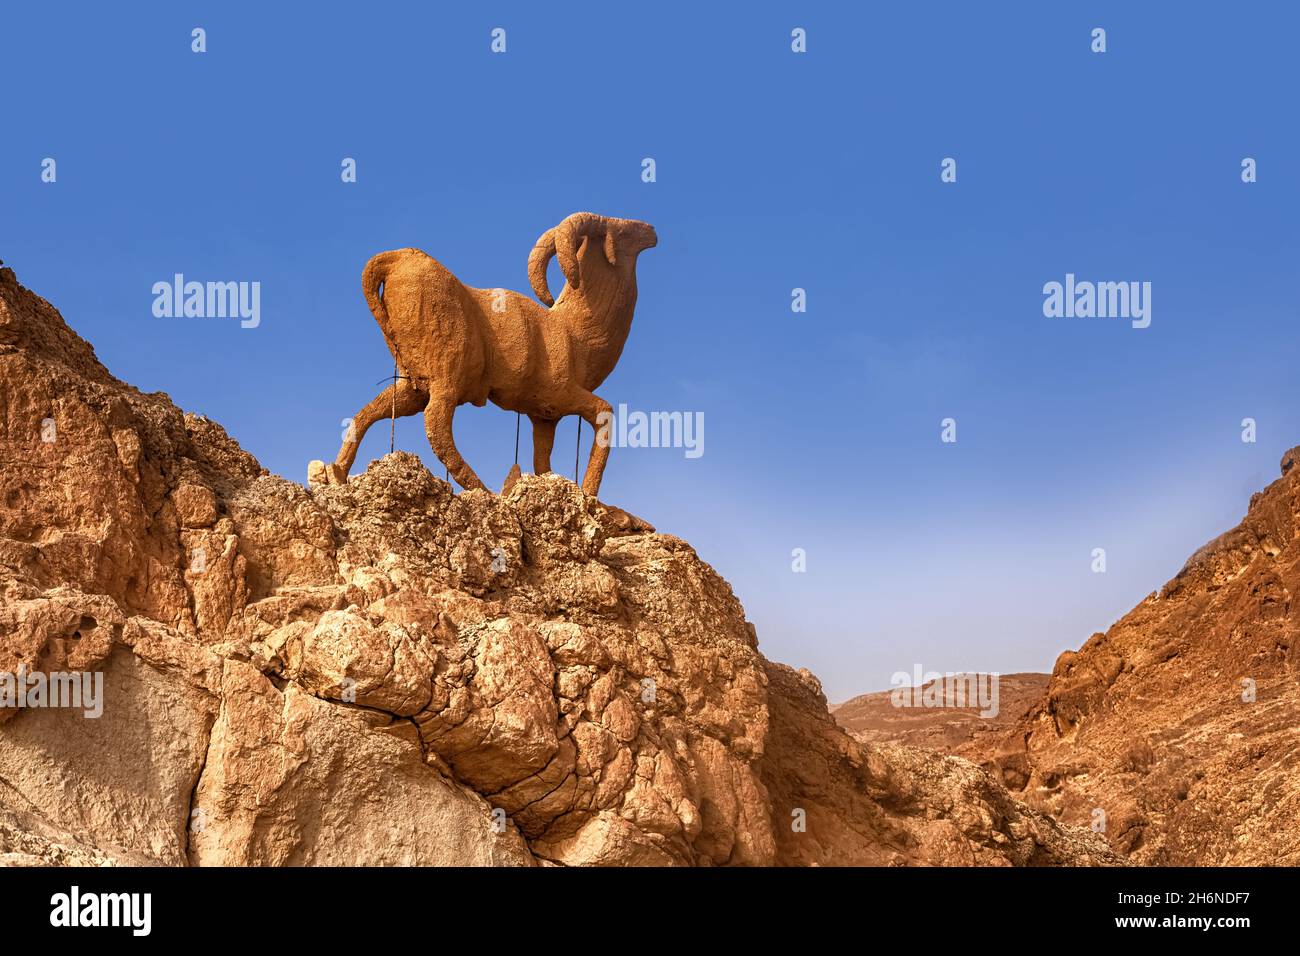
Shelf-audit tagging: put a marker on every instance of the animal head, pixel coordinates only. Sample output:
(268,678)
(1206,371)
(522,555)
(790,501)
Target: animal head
(623,241)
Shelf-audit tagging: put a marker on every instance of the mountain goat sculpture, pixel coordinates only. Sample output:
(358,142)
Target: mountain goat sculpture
(454,344)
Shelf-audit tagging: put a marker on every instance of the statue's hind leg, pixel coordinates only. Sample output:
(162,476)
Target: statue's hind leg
(437,425)
(398,400)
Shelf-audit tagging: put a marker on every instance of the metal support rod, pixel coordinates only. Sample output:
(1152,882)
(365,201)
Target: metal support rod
(392,431)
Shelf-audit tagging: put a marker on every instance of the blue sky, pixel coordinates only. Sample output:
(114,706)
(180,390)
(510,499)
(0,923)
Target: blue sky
(775,170)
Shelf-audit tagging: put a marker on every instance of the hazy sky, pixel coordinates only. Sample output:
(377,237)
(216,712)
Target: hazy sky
(775,170)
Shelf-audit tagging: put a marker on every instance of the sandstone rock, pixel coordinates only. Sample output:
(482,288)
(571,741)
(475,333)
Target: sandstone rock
(292,780)
(511,477)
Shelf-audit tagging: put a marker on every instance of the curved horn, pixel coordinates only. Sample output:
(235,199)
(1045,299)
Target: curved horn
(569,235)
(538,260)
(563,242)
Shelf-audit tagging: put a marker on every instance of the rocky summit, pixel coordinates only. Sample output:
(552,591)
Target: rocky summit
(385,672)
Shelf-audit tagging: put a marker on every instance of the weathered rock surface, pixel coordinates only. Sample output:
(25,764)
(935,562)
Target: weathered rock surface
(1179,728)
(383,672)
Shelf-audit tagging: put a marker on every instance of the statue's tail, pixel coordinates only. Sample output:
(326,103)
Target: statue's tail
(372,277)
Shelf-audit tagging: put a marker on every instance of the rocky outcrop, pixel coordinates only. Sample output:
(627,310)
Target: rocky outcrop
(384,672)
(1177,731)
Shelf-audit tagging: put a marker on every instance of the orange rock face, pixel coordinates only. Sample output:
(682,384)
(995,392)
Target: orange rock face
(1178,729)
(383,672)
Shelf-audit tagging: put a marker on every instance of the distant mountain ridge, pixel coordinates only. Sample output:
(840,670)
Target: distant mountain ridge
(875,719)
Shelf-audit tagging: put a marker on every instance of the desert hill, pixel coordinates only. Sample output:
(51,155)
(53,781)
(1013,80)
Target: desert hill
(874,719)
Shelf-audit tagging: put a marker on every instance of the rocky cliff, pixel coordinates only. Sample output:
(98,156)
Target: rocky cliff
(1179,728)
(385,672)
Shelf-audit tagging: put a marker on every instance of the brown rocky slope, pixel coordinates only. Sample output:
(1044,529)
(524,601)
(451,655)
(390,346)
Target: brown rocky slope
(385,672)
(1178,729)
